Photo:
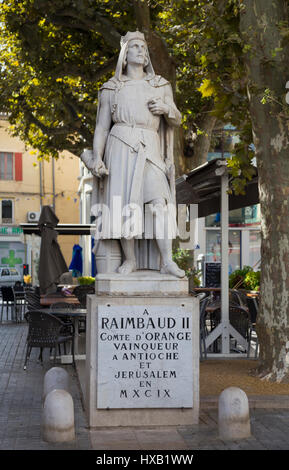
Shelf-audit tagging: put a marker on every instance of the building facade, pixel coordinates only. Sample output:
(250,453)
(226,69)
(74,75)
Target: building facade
(26,185)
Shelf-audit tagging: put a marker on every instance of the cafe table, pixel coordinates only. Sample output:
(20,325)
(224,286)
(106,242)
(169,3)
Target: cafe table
(199,290)
(49,299)
(74,315)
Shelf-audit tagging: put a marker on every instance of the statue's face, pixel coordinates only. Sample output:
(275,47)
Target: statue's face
(136,52)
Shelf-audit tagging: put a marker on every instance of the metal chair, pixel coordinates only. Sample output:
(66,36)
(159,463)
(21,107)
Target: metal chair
(19,301)
(32,298)
(238,297)
(62,305)
(8,301)
(54,308)
(253,338)
(81,293)
(211,320)
(45,331)
(251,305)
(239,318)
(68,328)
(203,328)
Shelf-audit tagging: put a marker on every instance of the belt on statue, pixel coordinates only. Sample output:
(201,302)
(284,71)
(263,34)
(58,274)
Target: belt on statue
(134,126)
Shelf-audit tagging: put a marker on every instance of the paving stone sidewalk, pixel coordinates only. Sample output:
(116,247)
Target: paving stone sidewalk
(21,396)
(21,411)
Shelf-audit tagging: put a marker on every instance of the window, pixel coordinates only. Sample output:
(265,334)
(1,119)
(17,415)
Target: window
(11,166)
(243,217)
(6,166)
(254,249)
(5,272)
(213,243)
(7,211)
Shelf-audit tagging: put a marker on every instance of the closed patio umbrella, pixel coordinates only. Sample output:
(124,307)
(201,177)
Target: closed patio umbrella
(76,262)
(51,262)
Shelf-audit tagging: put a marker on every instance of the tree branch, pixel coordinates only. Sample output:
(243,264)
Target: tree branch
(67,69)
(100,24)
(142,13)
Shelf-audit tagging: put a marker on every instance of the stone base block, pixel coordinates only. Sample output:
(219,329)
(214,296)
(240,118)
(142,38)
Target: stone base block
(146,282)
(142,361)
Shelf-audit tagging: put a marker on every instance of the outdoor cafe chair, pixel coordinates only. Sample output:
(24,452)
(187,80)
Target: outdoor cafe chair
(32,298)
(68,325)
(7,302)
(46,331)
(57,307)
(19,301)
(203,327)
(81,293)
(62,305)
(253,338)
(251,305)
(239,298)
(239,318)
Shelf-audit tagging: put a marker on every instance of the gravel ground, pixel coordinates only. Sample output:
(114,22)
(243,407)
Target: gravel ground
(218,374)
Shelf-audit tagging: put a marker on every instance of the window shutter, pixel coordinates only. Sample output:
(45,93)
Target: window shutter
(18,166)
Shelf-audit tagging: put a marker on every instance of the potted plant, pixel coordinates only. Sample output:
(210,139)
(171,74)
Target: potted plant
(184,260)
(86,280)
(245,278)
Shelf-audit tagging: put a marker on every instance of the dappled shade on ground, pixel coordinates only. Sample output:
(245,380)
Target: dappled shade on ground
(218,374)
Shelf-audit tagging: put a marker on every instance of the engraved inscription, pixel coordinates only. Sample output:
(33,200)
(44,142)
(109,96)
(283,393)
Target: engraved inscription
(144,357)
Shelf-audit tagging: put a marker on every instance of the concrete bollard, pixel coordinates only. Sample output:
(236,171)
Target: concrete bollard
(234,419)
(55,378)
(58,417)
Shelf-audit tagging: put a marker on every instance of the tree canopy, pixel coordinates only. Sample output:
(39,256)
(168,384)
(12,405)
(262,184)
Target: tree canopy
(56,54)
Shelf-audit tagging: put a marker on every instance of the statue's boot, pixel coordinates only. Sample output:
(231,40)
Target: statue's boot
(127,267)
(172,268)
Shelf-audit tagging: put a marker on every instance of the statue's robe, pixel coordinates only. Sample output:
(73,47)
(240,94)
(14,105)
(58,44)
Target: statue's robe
(138,149)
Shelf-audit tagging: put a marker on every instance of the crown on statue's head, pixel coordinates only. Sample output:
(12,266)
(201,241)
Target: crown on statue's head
(132,35)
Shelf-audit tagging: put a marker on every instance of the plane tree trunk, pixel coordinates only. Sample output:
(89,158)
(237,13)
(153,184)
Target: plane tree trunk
(267,67)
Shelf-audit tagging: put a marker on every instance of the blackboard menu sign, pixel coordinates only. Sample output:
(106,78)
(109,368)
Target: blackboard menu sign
(213,274)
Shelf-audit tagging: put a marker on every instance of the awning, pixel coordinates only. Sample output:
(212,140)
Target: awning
(62,229)
(202,186)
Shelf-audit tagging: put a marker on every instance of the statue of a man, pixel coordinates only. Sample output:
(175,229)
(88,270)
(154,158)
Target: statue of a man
(132,157)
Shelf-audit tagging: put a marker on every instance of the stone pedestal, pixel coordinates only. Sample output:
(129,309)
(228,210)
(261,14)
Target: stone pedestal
(142,352)
(140,283)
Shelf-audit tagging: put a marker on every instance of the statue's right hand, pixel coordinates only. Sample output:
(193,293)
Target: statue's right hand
(95,165)
(99,169)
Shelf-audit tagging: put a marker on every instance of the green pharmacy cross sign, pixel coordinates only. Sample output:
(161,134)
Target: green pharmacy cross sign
(11,260)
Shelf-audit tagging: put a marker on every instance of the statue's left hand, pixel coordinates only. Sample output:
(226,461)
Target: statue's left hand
(157,106)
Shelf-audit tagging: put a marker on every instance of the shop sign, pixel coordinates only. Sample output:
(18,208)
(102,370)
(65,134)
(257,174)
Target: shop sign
(10,231)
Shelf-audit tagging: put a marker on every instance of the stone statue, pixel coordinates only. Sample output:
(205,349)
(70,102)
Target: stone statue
(132,158)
